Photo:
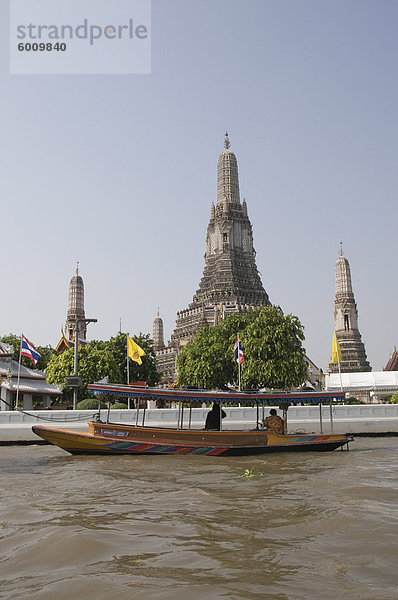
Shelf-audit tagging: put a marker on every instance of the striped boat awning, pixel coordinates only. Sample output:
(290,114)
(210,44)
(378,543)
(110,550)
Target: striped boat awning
(203,396)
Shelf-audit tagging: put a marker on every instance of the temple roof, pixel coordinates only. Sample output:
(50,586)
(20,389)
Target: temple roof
(29,386)
(6,349)
(392,364)
(63,344)
(7,364)
(31,381)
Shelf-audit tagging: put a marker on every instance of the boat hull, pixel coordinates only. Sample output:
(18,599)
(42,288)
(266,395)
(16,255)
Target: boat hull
(126,439)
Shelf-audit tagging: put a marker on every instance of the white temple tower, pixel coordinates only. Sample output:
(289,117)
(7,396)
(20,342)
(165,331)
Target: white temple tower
(76,308)
(158,335)
(353,353)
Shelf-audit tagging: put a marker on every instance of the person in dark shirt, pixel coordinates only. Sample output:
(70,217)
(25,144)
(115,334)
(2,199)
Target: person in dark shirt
(213,417)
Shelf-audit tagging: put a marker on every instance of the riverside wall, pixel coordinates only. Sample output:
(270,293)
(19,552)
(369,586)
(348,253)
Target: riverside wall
(371,419)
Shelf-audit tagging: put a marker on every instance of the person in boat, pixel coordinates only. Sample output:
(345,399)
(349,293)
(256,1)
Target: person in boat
(213,417)
(274,422)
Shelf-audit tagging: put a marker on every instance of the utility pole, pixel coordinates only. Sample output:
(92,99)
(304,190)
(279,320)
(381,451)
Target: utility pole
(76,382)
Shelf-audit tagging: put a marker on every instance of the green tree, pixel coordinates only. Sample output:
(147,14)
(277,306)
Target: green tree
(46,352)
(147,371)
(394,398)
(275,355)
(272,345)
(208,362)
(386,399)
(99,359)
(353,400)
(203,363)
(95,363)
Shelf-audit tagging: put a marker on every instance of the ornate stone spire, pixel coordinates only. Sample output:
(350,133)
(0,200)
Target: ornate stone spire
(346,321)
(343,277)
(230,282)
(75,308)
(158,336)
(227,176)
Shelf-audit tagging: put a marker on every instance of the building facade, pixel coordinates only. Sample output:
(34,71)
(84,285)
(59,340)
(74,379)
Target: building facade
(31,384)
(353,355)
(230,282)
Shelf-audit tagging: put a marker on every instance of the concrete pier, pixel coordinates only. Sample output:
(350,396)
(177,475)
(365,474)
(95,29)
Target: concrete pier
(372,419)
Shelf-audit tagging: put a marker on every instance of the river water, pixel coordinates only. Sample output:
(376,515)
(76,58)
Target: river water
(305,526)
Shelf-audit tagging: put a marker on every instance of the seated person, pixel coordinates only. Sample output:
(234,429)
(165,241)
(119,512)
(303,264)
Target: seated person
(274,422)
(213,417)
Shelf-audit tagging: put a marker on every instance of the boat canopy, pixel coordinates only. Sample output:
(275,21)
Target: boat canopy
(207,397)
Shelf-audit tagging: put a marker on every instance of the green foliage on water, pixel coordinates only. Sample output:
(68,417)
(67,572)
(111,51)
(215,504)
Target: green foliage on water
(251,473)
(272,347)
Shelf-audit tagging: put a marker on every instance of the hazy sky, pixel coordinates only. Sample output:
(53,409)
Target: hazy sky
(119,172)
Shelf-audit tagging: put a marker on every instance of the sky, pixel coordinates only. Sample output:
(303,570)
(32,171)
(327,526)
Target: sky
(119,172)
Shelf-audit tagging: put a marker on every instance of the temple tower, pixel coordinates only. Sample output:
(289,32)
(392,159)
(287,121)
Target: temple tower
(158,336)
(230,281)
(75,308)
(353,355)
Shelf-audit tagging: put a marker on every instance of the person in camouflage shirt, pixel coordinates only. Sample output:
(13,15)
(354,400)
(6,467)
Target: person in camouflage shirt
(274,422)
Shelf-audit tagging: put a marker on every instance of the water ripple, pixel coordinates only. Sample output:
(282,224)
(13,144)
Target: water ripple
(314,525)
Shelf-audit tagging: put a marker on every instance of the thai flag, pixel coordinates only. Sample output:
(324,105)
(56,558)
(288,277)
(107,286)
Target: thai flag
(27,349)
(238,351)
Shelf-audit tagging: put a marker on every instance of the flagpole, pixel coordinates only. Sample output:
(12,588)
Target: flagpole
(19,373)
(128,366)
(336,353)
(341,383)
(238,360)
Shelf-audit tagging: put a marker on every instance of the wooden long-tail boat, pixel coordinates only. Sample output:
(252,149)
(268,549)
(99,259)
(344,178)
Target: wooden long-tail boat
(111,438)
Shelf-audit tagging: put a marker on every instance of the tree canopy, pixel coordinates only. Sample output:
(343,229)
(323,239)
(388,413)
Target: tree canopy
(99,359)
(272,347)
(394,398)
(117,345)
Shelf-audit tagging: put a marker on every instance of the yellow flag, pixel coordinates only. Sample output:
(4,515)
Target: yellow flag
(134,351)
(336,352)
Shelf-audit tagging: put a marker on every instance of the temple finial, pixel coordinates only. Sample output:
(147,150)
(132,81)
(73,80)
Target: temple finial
(77,268)
(341,248)
(226,141)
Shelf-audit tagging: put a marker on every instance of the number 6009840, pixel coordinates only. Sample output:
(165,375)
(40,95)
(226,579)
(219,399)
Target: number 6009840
(41,47)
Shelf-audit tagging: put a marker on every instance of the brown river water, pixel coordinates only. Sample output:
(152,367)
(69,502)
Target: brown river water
(306,526)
